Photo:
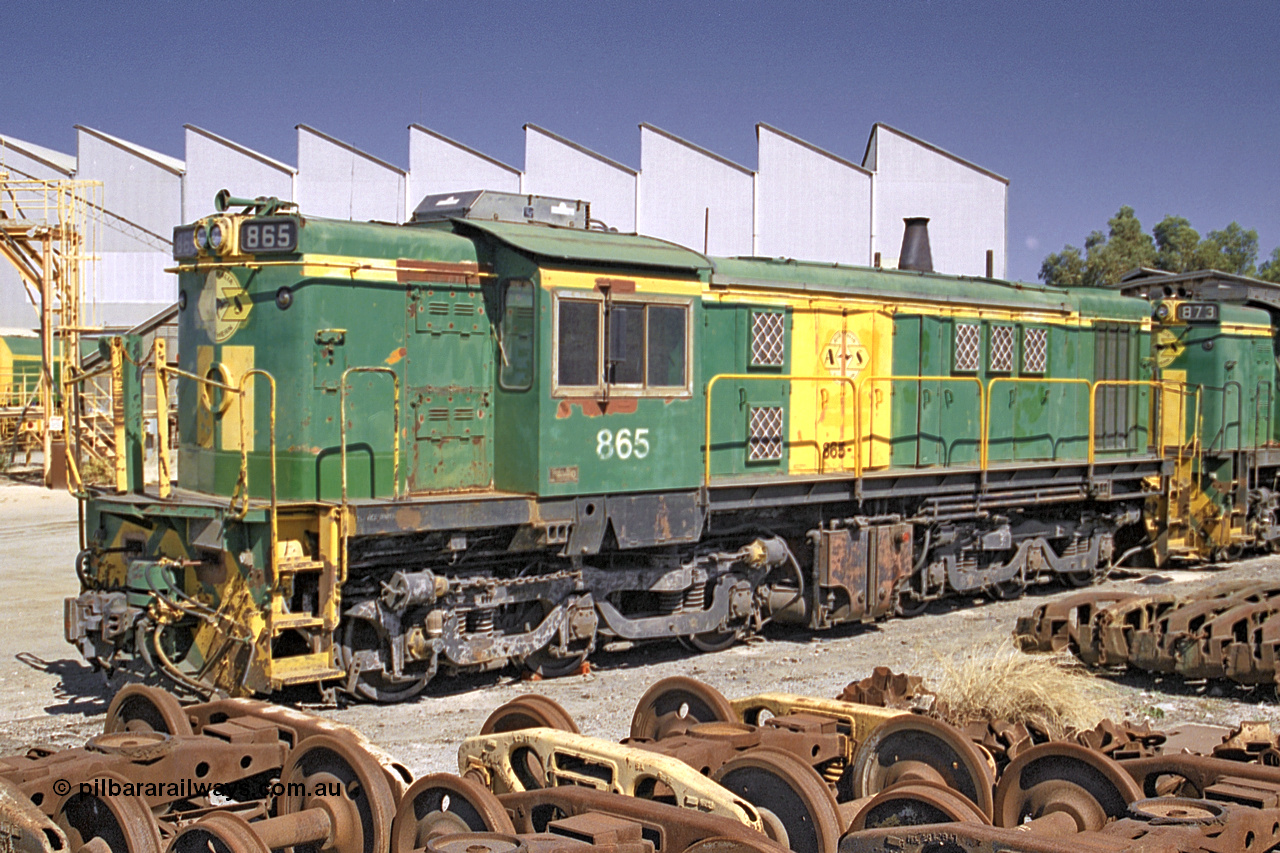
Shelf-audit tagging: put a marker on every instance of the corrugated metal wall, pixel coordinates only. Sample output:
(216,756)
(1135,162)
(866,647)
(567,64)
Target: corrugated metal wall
(142,194)
(693,197)
(810,204)
(339,181)
(966,206)
(554,166)
(801,201)
(215,163)
(437,164)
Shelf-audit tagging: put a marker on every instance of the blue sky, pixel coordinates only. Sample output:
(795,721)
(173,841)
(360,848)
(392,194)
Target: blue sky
(1169,107)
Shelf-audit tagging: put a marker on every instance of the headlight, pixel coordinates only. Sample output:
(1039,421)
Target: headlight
(202,238)
(1162,311)
(220,236)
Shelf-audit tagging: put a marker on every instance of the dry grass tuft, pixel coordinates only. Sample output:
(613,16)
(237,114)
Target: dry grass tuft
(1050,692)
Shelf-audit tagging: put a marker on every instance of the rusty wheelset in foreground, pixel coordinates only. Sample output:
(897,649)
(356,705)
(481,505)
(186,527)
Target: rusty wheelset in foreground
(697,773)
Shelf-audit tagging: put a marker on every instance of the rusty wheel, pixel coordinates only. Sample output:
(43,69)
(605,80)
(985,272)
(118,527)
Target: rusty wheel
(124,822)
(364,647)
(1082,579)
(796,806)
(1177,811)
(711,641)
(346,782)
(917,804)
(921,749)
(1068,778)
(476,842)
(674,704)
(544,664)
(444,804)
(220,832)
(137,708)
(529,712)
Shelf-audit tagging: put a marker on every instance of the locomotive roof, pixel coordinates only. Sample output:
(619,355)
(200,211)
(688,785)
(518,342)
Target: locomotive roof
(575,244)
(929,287)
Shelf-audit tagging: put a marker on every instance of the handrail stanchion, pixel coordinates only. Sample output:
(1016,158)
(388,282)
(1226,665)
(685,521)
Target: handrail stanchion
(343,532)
(871,380)
(783,377)
(986,434)
(162,419)
(244,464)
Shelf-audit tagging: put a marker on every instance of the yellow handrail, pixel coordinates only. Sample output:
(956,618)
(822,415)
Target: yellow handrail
(777,377)
(871,380)
(342,439)
(1158,384)
(162,418)
(986,433)
(243,480)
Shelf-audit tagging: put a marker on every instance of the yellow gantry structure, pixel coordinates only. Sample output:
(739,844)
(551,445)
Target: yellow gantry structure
(49,233)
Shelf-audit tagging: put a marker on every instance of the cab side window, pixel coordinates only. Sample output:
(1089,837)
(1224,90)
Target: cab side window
(632,347)
(516,335)
(578,339)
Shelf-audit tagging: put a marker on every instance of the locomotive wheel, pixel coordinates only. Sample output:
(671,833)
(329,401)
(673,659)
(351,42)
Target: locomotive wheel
(124,822)
(711,641)
(674,704)
(444,804)
(220,832)
(917,804)
(920,749)
(358,640)
(909,604)
(529,712)
(1064,777)
(363,805)
(798,809)
(546,665)
(137,708)
(1009,590)
(1080,579)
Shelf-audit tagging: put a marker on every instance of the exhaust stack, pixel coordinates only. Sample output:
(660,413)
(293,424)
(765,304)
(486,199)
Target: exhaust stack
(915,254)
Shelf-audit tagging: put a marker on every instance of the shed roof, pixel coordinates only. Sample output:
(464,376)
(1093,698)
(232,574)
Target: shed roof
(809,145)
(581,149)
(467,148)
(929,145)
(644,125)
(56,160)
(164,161)
(237,147)
(349,147)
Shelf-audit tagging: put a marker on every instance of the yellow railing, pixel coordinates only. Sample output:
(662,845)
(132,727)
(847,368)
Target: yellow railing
(986,432)
(1158,430)
(870,381)
(985,396)
(343,530)
(778,377)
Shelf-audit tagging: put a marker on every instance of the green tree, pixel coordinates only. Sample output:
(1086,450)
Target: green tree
(1105,257)
(1175,247)
(1233,250)
(1270,269)
(1176,244)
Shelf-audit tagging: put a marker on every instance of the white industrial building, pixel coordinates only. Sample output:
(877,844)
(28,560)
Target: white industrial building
(800,201)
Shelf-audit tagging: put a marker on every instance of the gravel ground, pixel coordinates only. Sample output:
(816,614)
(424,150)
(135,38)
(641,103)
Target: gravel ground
(51,696)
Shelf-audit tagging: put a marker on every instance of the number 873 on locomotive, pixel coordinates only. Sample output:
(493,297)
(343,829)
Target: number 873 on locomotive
(500,435)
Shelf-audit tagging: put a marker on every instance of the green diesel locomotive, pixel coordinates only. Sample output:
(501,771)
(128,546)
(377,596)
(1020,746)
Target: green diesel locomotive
(499,434)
